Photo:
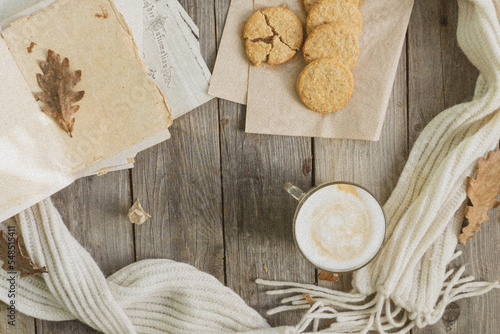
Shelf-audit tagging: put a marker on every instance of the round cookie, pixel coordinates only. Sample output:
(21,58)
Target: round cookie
(325,85)
(273,35)
(334,11)
(286,25)
(257,52)
(308,4)
(332,41)
(280,53)
(256,27)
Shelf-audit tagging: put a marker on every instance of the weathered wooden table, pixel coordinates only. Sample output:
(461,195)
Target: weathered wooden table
(216,194)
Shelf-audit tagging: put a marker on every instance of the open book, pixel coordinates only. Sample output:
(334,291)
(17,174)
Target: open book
(122,113)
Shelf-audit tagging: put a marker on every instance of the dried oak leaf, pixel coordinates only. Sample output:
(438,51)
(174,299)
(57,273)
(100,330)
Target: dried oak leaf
(328,277)
(482,193)
(57,83)
(16,260)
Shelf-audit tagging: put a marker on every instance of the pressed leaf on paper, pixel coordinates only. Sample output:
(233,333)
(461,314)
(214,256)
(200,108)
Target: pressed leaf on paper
(14,259)
(57,83)
(482,193)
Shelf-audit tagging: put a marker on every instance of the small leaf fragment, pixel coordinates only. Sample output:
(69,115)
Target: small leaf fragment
(30,47)
(14,259)
(482,193)
(57,83)
(328,277)
(309,299)
(137,215)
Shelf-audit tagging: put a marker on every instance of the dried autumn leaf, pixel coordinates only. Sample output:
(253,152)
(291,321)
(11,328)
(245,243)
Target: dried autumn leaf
(329,277)
(137,215)
(30,47)
(482,193)
(15,260)
(57,83)
(308,297)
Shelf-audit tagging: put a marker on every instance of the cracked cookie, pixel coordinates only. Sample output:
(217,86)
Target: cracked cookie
(272,35)
(325,85)
(308,4)
(334,11)
(332,41)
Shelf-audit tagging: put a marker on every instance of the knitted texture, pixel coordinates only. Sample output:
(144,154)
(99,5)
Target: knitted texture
(150,296)
(407,284)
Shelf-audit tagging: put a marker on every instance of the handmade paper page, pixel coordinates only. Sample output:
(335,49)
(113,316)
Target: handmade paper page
(173,60)
(122,112)
(32,152)
(121,106)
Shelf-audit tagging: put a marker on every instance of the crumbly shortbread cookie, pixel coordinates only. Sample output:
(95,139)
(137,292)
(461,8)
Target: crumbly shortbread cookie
(277,27)
(258,51)
(286,25)
(334,11)
(310,3)
(332,41)
(325,85)
(280,53)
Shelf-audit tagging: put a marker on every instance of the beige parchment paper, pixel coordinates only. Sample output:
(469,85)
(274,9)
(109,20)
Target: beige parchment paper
(273,106)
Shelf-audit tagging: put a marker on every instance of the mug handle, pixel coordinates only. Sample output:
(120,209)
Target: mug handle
(296,192)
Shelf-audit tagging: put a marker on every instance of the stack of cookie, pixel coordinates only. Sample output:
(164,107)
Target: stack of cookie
(331,50)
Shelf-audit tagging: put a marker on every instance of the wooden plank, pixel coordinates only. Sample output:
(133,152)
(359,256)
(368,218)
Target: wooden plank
(258,213)
(440,77)
(179,183)
(425,75)
(23,323)
(374,165)
(94,210)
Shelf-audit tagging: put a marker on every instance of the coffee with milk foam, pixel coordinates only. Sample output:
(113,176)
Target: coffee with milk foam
(340,227)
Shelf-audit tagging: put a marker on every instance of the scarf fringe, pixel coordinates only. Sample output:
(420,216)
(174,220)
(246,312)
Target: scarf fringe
(352,312)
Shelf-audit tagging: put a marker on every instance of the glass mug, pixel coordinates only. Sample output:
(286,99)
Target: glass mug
(338,227)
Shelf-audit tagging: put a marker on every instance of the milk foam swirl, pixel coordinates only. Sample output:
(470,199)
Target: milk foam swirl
(340,227)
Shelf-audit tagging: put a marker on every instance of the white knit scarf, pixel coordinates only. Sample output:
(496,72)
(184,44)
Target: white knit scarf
(407,284)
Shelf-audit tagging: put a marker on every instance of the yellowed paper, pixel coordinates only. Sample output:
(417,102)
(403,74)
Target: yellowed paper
(184,84)
(273,106)
(122,112)
(32,152)
(122,106)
